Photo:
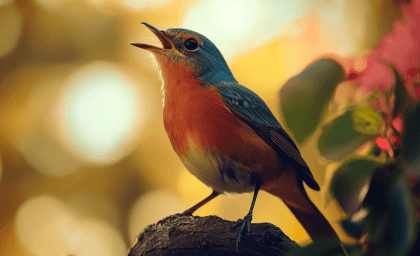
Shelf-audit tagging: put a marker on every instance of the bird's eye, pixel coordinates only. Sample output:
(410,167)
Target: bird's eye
(191,44)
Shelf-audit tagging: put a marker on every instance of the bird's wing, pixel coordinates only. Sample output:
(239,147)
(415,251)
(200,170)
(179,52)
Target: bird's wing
(250,108)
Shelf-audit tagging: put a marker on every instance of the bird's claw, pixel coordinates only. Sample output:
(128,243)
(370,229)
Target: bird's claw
(245,222)
(169,218)
(162,221)
(187,213)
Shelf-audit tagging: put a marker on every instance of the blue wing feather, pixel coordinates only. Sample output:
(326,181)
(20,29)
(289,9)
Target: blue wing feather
(252,110)
(242,99)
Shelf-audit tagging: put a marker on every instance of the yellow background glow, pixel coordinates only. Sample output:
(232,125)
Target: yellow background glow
(100,111)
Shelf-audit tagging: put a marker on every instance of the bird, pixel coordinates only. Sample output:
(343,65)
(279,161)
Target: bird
(225,134)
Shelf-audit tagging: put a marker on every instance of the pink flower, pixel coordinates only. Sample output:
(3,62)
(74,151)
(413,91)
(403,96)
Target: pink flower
(397,123)
(401,47)
(383,143)
(395,140)
(376,76)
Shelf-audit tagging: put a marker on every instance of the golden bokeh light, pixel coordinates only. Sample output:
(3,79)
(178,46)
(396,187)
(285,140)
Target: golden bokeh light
(237,28)
(99,238)
(44,153)
(338,13)
(100,113)
(33,128)
(225,23)
(47,226)
(150,208)
(10,27)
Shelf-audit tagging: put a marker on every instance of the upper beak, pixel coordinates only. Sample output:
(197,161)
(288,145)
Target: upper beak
(166,42)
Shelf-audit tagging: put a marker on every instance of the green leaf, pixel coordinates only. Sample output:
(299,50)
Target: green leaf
(410,149)
(404,218)
(378,230)
(347,132)
(351,182)
(305,97)
(391,223)
(366,121)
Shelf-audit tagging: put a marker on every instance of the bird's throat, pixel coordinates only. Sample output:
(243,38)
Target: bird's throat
(173,72)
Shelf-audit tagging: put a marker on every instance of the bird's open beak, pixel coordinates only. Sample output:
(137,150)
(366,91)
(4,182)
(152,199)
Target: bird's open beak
(166,42)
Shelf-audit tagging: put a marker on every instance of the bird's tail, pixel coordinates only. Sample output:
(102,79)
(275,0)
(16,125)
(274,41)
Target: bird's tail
(314,222)
(318,228)
(296,198)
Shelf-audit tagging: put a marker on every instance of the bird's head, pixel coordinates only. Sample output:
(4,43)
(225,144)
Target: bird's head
(191,50)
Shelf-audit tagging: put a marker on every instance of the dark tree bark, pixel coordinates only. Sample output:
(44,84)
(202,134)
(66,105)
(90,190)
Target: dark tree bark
(211,235)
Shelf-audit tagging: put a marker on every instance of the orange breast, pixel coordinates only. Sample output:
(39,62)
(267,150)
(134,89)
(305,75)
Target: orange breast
(196,113)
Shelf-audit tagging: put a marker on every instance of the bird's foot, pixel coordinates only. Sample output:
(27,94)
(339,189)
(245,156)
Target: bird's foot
(169,218)
(245,222)
(187,213)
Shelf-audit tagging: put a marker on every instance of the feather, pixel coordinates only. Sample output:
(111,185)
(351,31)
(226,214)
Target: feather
(251,109)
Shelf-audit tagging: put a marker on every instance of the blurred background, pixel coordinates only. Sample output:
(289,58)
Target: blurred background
(85,163)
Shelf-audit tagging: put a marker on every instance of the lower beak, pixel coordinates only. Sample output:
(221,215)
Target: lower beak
(166,42)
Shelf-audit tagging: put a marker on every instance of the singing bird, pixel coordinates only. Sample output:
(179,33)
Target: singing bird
(225,134)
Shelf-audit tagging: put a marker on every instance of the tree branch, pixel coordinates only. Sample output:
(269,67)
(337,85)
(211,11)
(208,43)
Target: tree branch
(211,235)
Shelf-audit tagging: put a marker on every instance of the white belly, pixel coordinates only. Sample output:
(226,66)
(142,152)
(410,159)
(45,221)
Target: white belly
(221,173)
